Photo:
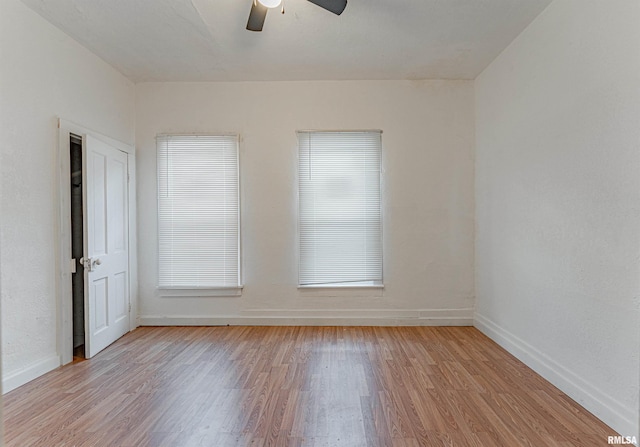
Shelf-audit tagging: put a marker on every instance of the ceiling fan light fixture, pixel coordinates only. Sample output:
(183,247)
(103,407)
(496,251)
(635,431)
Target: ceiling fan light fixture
(270,3)
(259,10)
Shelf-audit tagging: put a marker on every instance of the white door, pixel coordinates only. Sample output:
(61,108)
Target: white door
(106,244)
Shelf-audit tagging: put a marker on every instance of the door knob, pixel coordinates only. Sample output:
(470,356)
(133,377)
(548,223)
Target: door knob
(90,263)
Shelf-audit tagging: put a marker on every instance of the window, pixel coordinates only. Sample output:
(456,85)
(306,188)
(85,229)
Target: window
(198,212)
(340,223)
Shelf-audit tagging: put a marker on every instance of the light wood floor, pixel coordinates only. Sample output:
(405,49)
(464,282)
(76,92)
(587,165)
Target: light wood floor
(298,386)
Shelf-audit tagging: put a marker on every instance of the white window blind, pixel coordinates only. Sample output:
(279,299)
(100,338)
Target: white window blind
(198,212)
(340,222)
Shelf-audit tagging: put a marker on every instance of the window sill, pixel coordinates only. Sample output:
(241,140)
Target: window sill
(341,286)
(200,293)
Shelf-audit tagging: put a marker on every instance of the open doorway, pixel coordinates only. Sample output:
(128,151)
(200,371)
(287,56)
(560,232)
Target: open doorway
(96,246)
(77,247)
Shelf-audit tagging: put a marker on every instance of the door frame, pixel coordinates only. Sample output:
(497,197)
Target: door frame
(63,235)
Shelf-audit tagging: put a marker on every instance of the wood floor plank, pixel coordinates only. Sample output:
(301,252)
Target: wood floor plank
(298,387)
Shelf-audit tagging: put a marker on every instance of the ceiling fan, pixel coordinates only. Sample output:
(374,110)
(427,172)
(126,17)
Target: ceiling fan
(259,10)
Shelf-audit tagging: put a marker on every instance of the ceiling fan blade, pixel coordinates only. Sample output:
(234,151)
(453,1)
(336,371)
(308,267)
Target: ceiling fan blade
(335,6)
(256,16)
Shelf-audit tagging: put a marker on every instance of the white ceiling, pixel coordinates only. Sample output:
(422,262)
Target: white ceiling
(206,40)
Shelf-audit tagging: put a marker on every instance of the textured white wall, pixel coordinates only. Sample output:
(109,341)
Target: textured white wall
(43,74)
(428,196)
(558,202)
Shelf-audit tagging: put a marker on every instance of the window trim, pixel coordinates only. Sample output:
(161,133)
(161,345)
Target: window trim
(346,287)
(340,286)
(195,291)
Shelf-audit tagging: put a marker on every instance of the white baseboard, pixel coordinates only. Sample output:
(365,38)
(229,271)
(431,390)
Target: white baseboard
(438,317)
(27,374)
(620,418)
